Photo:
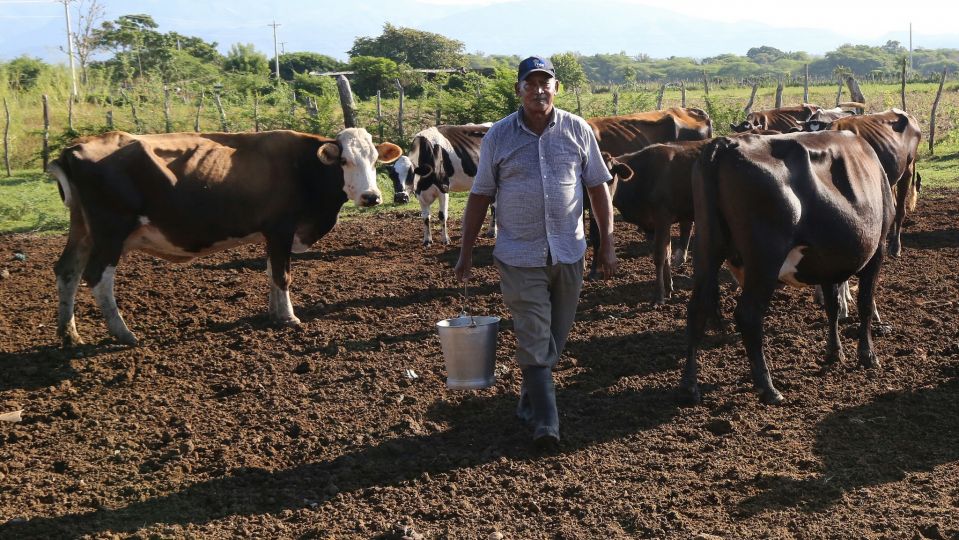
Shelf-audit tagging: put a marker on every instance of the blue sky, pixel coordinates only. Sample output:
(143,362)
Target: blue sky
(653,27)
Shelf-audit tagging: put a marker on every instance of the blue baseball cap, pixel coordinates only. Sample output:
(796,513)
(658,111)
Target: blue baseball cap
(535,63)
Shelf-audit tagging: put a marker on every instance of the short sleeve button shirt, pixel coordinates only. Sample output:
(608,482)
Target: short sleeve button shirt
(538,184)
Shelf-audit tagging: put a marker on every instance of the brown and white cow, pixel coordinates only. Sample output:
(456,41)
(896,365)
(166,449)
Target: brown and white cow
(791,118)
(894,135)
(441,159)
(183,195)
(618,135)
(798,209)
(658,194)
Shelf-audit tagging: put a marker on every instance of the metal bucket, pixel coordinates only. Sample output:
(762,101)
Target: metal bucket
(469,349)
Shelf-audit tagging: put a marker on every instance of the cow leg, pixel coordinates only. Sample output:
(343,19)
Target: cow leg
(844,298)
(444,214)
(902,189)
(817,296)
(703,304)
(100,273)
(425,215)
(664,280)
(866,304)
(750,311)
(68,269)
(685,233)
(491,232)
(833,299)
(278,272)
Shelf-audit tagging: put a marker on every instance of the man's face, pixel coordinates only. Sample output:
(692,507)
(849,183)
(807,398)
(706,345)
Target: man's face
(537,92)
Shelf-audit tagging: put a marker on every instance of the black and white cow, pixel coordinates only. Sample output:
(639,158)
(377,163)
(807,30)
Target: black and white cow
(441,159)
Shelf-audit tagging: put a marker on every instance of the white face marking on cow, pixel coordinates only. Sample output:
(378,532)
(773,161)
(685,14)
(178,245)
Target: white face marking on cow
(358,158)
(787,273)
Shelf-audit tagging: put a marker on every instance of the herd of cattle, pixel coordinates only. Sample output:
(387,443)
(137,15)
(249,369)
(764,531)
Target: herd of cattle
(801,196)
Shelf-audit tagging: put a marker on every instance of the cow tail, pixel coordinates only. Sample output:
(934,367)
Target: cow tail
(712,231)
(914,188)
(60,170)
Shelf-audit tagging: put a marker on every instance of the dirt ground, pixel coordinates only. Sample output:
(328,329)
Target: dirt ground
(222,426)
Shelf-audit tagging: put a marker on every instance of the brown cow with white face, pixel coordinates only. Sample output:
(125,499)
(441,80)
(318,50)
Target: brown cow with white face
(799,209)
(182,195)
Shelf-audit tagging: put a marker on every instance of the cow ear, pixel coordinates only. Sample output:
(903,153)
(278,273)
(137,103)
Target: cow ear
(623,171)
(329,154)
(423,170)
(388,152)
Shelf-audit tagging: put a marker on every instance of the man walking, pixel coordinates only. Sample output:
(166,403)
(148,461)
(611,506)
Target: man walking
(536,163)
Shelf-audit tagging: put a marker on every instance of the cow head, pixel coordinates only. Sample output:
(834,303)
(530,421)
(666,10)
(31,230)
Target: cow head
(401,173)
(815,125)
(355,152)
(744,126)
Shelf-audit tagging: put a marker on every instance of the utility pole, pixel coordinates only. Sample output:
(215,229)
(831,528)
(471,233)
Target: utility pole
(911,68)
(73,71)
(276,55)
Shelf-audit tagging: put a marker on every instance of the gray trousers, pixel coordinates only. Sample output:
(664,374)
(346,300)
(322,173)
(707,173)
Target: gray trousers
(542,302)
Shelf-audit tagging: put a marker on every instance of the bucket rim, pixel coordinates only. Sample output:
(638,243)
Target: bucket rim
(480,320)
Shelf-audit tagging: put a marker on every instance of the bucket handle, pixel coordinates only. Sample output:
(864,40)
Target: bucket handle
(464,312)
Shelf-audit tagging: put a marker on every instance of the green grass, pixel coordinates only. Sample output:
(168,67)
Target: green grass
(29,202)
(940,171)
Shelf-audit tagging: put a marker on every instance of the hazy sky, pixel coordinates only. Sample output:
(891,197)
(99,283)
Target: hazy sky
(36,27)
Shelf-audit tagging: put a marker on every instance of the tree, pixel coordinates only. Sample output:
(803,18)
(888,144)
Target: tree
(568,70)
(416,48)
(23,72)
(244,58)
(85,39)
(372,74)
(305,62)
(764,54)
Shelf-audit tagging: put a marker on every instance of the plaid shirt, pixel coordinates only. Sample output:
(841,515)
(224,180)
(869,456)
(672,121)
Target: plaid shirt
(538,184)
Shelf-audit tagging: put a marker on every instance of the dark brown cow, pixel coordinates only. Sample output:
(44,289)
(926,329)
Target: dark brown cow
(783,119)
(618,135)
(798,209)
(658,195)
(894,135)
(182,195)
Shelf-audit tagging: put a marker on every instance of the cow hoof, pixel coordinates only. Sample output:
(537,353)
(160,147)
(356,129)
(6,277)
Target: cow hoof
(291,321)
(869,361)
(689,395)
(71,341)
(427,243)
(659,302)
(881,330)
(128,339)
(833,357)
(771,397)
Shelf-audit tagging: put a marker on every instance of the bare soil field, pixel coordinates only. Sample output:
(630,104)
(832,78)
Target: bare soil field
(222,426)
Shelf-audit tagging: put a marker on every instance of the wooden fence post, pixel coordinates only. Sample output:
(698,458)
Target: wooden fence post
(219,106)
(399,114)
(6,137)
(779,94)
(705,83)
(168,124)
(110,113)
(903,90)
(839,91)
(615,103)
(46,133)
(805,84)
(256,112)
(932,115)
(752,97)
(199,107)
(346,101)
(379,114)
(682,89)
(855,93)
(70,113)
(659,97)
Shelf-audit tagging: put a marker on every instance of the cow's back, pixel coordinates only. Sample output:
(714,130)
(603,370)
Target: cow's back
(619,135)
(894,135)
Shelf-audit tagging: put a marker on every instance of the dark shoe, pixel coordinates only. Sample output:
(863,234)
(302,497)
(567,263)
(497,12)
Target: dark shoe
(544,420)
(547,443)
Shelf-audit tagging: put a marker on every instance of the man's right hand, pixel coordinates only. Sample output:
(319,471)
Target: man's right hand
(464,266)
